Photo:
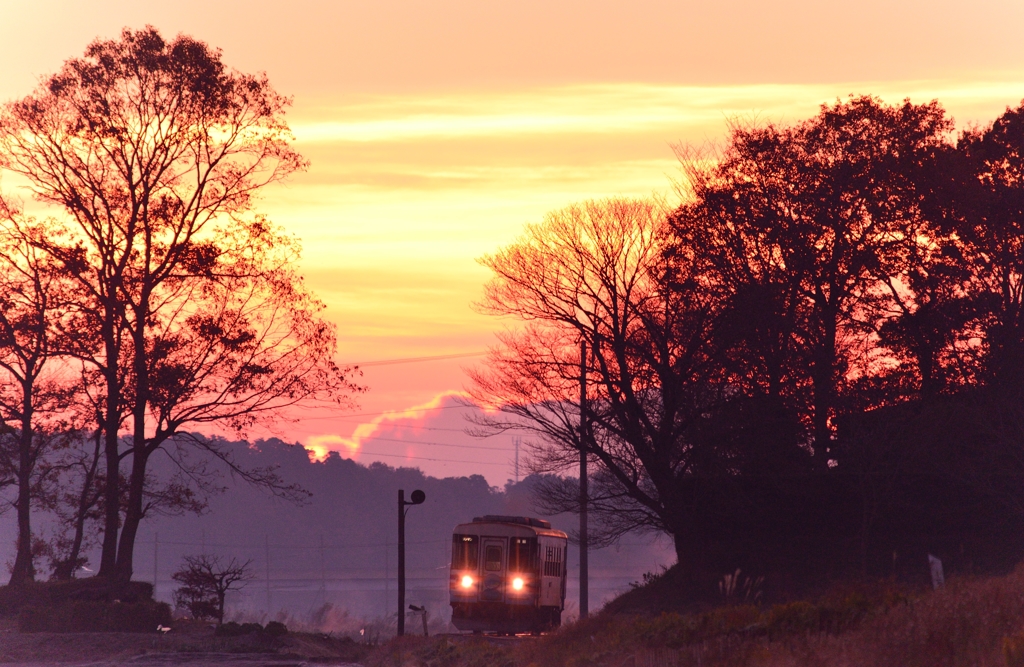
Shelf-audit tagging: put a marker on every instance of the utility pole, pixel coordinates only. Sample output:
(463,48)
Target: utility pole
(584,565)
(401,562)
(323,571)
(416,498)
(516,441)
(156,557)
(387,576)
(266,550)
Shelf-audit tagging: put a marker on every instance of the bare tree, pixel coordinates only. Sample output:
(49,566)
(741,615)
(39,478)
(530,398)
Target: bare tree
(205,582)
(599,273)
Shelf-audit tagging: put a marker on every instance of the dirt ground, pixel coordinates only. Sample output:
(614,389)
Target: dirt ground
(184,647)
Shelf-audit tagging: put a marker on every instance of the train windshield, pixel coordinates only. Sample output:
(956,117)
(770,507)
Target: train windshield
(522,554)
(464,552)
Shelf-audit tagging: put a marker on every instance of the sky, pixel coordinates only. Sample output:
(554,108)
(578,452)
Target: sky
(436,130)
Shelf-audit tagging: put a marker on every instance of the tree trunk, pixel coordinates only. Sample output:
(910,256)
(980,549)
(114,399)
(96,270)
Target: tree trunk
(65,571)
(24,571)
(133,515)
(140,450)
(111,424)
(823,378)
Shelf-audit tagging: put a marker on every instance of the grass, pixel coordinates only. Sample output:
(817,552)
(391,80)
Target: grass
(973,621)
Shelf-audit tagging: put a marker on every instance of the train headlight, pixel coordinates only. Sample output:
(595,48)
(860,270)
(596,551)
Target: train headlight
(467,581)
(517,583)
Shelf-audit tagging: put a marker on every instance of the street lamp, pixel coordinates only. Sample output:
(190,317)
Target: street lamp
(416,498)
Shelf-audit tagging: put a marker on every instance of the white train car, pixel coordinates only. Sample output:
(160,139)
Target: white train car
(507,575)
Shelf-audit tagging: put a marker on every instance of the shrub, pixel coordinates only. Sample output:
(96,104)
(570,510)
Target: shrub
(229,629)
(233,629)
(94,616)
(792,618)
(55,593)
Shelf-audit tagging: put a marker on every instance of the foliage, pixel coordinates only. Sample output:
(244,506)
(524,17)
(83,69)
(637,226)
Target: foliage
(84,605)
(55,593)
(92,616)
(233,629)
(811,364)
(186,309)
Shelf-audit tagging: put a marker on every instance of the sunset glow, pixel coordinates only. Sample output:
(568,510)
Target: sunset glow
(429,152)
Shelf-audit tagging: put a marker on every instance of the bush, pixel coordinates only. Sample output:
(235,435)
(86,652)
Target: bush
(232,629)
(229,629)
(94,616)
(56,593)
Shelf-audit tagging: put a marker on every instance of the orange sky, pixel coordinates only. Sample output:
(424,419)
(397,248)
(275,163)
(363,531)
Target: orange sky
(436,129)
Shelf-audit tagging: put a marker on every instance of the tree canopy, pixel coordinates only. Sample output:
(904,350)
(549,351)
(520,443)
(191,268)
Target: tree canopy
(770,358)
(150,154)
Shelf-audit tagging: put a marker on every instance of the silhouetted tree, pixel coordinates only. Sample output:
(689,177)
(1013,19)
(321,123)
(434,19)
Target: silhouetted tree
(153,151)
(599,272)
(989,227)
(205,582)
(35,400)
(74,493)
(811,229)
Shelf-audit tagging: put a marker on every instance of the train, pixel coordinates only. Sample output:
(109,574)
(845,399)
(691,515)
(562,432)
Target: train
(507,575)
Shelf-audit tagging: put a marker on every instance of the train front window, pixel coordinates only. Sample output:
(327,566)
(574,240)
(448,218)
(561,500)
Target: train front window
(492,559)
(522,554)
(464,552)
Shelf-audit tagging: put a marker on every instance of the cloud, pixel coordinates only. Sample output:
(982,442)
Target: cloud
(391,423)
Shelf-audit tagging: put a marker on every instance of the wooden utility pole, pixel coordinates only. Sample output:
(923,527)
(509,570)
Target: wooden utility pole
(401,562)
(584,565)
(156,563)
(416,498)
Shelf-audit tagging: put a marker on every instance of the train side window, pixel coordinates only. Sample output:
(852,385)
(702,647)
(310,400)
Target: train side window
(522,554)
(553,562)
(464,552)
(492,559)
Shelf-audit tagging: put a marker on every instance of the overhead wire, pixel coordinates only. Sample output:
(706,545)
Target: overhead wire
(413,360)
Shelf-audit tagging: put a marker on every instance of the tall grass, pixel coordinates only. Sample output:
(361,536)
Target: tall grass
(976,622)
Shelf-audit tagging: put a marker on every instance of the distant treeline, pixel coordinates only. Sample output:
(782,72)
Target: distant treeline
(812,365)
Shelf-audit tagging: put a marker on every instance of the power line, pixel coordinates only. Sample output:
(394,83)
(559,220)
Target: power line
(425,458)
(435,444)
(396,412)
(410,426)
(414,360)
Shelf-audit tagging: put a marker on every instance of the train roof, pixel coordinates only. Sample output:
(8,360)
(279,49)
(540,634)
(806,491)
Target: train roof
(530,524)
(502,518)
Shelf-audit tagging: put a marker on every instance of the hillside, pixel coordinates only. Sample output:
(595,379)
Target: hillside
(974,622)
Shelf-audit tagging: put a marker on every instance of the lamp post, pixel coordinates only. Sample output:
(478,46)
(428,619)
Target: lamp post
(416,498)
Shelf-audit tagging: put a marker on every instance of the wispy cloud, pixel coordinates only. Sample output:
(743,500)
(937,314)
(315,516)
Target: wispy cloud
(393,423)
(610,108)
